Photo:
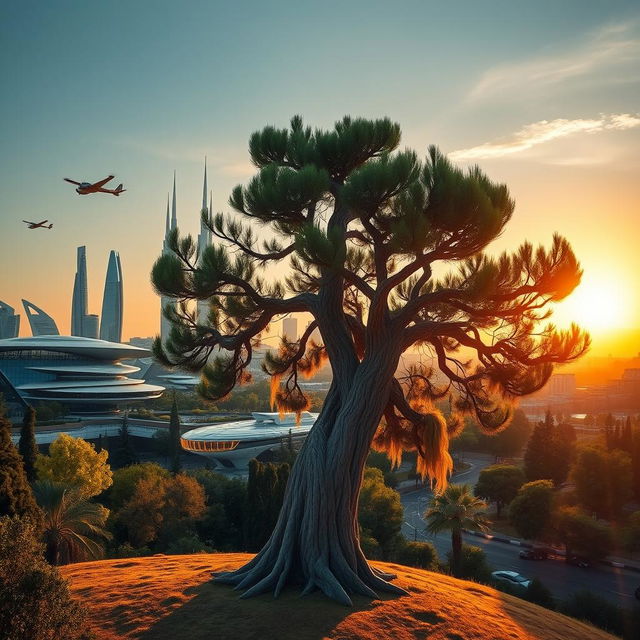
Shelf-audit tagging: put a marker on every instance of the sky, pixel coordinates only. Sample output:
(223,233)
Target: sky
(544,96)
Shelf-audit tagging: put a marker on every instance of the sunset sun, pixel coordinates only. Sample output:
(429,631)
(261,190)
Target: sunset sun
(597,304)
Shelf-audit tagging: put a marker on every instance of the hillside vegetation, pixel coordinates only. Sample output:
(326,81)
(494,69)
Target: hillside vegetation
(164,597)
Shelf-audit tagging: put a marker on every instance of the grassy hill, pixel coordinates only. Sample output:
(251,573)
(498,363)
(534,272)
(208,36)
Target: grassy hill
(167,597)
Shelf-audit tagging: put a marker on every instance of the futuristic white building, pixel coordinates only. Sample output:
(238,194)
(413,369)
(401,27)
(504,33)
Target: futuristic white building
(233,444)
(84,374)
(112,301)
(41,323)
(9,321)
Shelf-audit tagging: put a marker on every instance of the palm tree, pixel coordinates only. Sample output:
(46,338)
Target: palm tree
(456,508)
(72,524)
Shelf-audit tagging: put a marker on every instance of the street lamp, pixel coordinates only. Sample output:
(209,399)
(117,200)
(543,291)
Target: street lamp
(415,531)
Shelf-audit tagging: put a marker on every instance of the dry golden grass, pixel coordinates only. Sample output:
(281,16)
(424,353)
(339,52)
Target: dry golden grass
(172,597)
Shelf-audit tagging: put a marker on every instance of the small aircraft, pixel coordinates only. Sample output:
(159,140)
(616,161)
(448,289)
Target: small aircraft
(84,188)
(38,225)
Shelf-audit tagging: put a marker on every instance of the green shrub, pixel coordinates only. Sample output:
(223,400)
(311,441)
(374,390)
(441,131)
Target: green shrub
(417,554)
(35,603)
(586,605)
(369,545)
(127,551)
(539,594)
(187,544)
(473,564)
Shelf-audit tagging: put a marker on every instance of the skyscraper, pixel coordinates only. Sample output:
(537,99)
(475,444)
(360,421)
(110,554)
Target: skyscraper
(80,324)
(112,301)
(40,322)
(204,240)
(9,321)
(165,325)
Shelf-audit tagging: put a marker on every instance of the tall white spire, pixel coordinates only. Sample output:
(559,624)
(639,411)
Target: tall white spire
(166,226)
(174,216)
(204,186)
(204,240)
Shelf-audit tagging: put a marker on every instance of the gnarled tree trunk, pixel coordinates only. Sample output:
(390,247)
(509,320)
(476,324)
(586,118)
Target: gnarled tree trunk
(315,542)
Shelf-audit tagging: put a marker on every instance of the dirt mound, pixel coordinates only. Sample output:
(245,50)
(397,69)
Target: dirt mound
(172,597)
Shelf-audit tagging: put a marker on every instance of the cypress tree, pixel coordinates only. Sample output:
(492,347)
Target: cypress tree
(16,497)
(175,448)
(125,453)
(538,462)
(27,445)
(549,451)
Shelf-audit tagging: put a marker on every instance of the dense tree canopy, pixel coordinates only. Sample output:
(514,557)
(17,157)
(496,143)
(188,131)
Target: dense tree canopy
(75,463)
(499,483)
(386,253)
(530,511)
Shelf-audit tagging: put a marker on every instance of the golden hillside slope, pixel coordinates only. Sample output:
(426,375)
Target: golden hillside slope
(171,597)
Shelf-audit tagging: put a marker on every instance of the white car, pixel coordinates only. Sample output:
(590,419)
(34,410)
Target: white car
(512,578)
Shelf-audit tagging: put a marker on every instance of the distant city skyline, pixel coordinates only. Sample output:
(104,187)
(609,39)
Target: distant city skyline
(545,99)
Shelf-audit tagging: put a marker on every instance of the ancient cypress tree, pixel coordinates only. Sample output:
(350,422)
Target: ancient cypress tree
(175,448)
(386,253)
(16,497)
(27,446)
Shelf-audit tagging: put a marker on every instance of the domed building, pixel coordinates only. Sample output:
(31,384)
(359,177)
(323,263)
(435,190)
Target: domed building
(84,374)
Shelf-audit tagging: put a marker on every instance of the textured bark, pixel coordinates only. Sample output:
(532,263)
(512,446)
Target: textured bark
(315,542)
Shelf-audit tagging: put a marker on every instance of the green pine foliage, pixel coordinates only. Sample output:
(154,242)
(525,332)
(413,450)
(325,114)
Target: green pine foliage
(16,497)
(27,445)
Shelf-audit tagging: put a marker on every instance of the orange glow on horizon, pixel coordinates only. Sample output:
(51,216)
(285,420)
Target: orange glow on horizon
(597,304)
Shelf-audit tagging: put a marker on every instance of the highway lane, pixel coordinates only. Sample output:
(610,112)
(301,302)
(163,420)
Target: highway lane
(617,585)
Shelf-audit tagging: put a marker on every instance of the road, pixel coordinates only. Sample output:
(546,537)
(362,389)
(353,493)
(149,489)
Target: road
(617,585)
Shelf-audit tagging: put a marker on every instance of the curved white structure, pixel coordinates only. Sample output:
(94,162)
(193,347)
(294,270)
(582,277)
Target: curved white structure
(83,373)
(41,323)
(235,443)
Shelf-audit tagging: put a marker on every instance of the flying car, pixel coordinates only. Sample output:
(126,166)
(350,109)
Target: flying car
(85,188)
(38,225)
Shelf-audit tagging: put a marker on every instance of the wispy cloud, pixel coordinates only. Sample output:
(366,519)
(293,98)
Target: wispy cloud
(609,47)
(544,131)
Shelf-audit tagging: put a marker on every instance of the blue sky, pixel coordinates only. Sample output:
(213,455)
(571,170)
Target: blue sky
(544,96)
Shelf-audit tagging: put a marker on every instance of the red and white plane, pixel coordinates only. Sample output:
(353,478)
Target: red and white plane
(84,188)
(38,225)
